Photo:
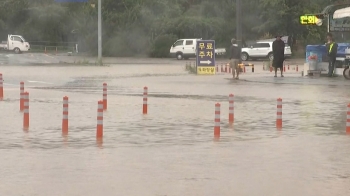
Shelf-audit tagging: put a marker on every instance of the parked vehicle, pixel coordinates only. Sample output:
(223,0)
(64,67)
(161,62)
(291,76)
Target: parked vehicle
(186,48)
(262,49)
(15,43)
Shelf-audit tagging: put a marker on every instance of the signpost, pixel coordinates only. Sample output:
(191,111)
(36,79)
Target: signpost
(99,25)
(205,57)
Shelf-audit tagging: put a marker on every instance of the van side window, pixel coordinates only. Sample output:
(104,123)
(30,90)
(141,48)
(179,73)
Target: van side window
(189,42)
(179,43)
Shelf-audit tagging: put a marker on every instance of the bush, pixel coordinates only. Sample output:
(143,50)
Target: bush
(161,46)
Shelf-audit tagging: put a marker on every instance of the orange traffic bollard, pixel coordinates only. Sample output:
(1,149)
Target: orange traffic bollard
(297,68)
(222,68)
(1,88)
(288,67)
(270,68)
(26,112)
(104,96)
(217,120)
(348,120)
(99,129)
(21,95)
(231,109)
(284,68)
(65,115)
(279,113)
(145,94)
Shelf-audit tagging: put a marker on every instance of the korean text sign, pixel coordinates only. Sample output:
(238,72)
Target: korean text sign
(205,57)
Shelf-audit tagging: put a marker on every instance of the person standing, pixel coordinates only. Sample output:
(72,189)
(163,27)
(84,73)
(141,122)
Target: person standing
(235,59)
(278,54)
(332,49)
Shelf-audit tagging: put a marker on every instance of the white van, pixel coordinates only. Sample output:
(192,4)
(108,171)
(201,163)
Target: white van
(186,48)
(16,43)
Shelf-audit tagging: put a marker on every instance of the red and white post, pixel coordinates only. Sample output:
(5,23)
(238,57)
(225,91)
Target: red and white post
(217,120)
(1,88)
(99,129)
(104,96)
(231,109)
(26,112)
(21,95)
(145,99)
(279,113)
(65,115)
(348,120)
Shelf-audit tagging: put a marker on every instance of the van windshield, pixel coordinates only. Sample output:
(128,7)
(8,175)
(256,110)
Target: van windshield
(22,38)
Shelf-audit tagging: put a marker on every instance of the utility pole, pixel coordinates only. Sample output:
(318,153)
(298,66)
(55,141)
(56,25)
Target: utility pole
(239,25)
(99,33)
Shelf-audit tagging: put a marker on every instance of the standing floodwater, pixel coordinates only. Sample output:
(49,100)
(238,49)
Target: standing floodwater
(171,150)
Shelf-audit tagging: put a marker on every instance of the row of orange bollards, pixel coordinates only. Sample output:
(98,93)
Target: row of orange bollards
(102,106)
(285,69)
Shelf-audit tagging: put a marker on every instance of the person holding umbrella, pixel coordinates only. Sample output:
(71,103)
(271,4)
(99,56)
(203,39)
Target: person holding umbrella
(278,54)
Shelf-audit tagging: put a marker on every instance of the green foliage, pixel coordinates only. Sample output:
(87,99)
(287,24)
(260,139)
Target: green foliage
(134,27)
(160,47)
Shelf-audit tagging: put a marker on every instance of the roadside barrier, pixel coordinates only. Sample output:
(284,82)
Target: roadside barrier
(21,95)
(26,112)
(104,96)
(65,116)
(231,109)
(279,113)
(217,120)
(144,106)
(348,119)
(99,128)
(1,88)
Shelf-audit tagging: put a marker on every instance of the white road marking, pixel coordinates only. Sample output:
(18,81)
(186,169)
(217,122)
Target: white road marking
(42,82)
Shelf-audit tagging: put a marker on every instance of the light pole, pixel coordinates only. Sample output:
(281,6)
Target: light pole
(99,33)
(239,25)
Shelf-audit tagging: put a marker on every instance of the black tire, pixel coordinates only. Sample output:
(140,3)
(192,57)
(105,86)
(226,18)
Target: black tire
(17,50)
(346,73)
(270,56)
(179,56)
(244,56)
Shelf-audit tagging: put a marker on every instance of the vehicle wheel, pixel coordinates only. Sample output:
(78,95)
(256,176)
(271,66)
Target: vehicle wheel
(346,73)
(244,56)
(270,55)
(179,56)
(17,50)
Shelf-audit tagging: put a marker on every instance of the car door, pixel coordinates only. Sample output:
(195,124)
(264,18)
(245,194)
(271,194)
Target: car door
(16,42)
(264,49)
(178,46)
(189,47)
(254,50)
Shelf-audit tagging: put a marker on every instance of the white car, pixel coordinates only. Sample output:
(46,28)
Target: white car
(186,48)
(15,43)
(262,50)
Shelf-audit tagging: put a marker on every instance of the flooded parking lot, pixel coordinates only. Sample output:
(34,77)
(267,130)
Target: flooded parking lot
(171,151)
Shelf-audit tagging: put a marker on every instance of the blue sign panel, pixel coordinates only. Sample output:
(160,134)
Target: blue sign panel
(205,57)
(71,1)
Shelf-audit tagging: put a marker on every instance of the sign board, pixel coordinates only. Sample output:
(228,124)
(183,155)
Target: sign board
(339,25)
(205,57)
(308,20)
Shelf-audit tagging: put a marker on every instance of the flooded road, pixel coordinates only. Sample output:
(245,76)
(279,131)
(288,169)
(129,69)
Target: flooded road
(171,150)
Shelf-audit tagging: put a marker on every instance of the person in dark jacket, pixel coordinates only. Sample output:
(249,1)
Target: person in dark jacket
(235,59)
(278,54)
(332,49)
